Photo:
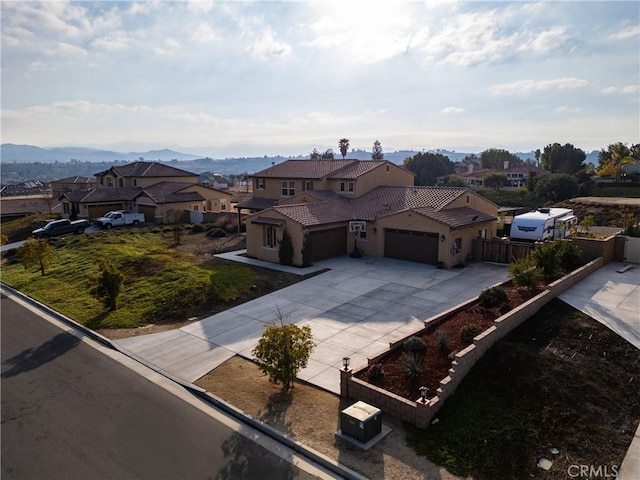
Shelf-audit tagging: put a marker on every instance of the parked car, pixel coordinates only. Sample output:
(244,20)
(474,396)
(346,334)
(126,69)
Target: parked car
(60,227)
(119,218)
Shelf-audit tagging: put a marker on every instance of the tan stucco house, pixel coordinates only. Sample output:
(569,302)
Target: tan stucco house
(325,200)
(161,192)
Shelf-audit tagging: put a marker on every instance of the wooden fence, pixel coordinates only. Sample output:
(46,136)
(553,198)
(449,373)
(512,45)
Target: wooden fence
(500,251)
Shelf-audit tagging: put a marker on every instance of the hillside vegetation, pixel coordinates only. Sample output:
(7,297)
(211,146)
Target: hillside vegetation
(162,283)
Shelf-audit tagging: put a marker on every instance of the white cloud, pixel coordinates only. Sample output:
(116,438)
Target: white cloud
(626,34)
(204,34)
(549,40)
(566,109)
(267,47)
(113,42)
(453,110)
(167,47)
(626,90)
(524,87)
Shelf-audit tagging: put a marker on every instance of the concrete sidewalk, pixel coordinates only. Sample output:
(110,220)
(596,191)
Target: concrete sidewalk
(354,310)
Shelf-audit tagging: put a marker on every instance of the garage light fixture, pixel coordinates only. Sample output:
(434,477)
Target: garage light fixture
(345,363)
(442,237)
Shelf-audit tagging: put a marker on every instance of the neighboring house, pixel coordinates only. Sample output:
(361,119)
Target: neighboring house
(161,192)
(325,201)
(30,187)
(214,180)
(517,176)
(71,184)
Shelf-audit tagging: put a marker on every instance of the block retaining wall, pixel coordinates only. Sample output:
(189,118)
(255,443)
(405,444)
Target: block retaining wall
(420,414)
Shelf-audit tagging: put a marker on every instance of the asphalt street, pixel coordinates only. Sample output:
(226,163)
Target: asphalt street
(70,411)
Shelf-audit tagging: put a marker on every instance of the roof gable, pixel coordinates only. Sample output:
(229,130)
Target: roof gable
(148,169)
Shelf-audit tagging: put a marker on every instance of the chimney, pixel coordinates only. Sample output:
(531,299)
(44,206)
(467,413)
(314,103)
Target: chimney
(506,164)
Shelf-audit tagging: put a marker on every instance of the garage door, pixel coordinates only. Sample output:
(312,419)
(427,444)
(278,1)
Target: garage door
(96,211)
(411,245)
(149,213)
(328,243)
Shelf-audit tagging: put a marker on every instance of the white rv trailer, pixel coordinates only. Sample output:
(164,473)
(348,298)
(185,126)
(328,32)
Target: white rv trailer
(543,224)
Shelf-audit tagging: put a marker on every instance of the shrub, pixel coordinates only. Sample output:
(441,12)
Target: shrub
(412,364)
(505,308)
(285,252)
(216,233)
(197,228)
(108,283)
(376,372)
(468,332)
(525,273)
(230,228)
(282,351)
(414,344)
(307,251)
(442,339)
(228,283)
(492,297)
(556,258)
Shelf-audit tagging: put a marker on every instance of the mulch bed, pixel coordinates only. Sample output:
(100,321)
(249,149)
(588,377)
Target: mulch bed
(438,355)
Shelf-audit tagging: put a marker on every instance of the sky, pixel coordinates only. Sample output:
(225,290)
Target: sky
(236,78)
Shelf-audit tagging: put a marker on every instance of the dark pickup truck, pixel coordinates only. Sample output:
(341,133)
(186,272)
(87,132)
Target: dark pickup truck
(60,227)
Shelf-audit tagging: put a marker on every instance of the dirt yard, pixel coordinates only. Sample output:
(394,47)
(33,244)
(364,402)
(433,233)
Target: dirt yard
(312,415)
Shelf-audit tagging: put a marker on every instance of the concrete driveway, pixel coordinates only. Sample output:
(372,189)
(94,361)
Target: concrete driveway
(354,310)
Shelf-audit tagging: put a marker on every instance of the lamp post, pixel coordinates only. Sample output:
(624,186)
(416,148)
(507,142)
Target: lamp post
(423,394)
(345,363)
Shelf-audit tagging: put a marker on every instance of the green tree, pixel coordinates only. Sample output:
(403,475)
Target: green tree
(538,153)
(495,180)
(282,351)
(428,167)
(555,187)
(315,155)
(108,283)
(454,181)
(495,158)
(614,158)
(343,145)
(376,151)
(563,158)
(285,250)
(327,154)
(36,253)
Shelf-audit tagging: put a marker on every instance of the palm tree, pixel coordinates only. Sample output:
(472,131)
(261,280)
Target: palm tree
(343,145)
(538,158)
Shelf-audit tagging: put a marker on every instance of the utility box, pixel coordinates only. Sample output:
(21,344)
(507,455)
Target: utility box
(361,421)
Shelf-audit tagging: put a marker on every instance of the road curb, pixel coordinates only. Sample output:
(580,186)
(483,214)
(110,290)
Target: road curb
(201,393)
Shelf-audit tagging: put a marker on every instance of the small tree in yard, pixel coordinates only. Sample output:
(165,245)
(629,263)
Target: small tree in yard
(108,283)
(177,234)
(36,253)
(525,273)
(282,351)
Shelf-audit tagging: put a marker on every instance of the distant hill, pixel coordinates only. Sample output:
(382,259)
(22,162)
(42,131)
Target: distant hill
(10,153)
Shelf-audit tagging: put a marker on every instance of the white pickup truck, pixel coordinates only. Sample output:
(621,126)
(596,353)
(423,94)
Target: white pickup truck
(118,218)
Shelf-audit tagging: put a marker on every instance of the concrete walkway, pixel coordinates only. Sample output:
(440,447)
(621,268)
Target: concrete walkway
(612,298)
(354,310)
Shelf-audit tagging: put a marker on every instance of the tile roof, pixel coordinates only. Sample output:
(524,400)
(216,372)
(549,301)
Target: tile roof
(383,201)
(255,203)
(268,221)
(169,192)
(312,169)
(76,179)
(355,169)
(456,217)
(148,169)
(330,207)
(104,195)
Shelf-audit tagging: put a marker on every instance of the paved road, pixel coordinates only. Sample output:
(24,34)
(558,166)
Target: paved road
(71,411)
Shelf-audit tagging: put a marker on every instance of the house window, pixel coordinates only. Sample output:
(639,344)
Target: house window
(346,187)
(66,207)
(223,204)
(110,182)
(288,189)
(260,183)
(195,208)
(456,246)
(270,240)
(135,182)
(387,168)
(467,198)
(307,185)
(121,182)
